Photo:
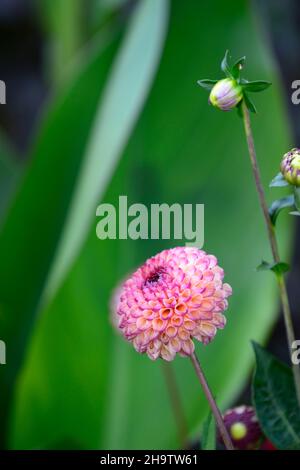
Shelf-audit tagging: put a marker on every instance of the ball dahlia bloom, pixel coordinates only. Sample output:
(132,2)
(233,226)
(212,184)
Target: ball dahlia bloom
(226,94)
(176,296)
(290,167)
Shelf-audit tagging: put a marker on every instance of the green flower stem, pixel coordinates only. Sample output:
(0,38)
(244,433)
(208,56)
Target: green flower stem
(176,403)
(297,197)
(212,403)
(273,242)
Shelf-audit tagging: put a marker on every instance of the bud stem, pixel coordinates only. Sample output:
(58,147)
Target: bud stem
(273,242)
(176,403)
(212,403)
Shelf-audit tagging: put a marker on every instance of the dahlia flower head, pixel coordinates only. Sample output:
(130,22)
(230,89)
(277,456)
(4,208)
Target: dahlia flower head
(174,297)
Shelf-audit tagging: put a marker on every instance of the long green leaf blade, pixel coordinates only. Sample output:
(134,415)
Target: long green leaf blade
(173,156)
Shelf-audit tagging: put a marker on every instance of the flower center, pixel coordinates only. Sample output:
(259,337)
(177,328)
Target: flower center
(238,431)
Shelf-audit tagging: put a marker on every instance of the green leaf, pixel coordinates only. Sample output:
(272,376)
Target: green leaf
(208,436)
(275,400)
(249,103)
(255,86)
(225,65)
(277,206)
(277,268)
(279,181)
(73,161)
(239,109)
(237,67)
(295,213)
(207,84)
(297,197)
(81,381)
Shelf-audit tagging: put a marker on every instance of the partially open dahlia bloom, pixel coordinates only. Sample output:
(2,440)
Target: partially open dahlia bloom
(290,166)
(174,297)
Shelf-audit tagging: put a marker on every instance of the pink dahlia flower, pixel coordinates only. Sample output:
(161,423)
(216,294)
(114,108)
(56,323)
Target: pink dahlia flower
(176,296)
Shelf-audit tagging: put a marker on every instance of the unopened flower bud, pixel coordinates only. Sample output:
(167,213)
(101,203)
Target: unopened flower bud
(267,445)
(290,167)
(226,94)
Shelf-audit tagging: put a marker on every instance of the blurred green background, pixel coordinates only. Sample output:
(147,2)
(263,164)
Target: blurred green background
(114,109)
